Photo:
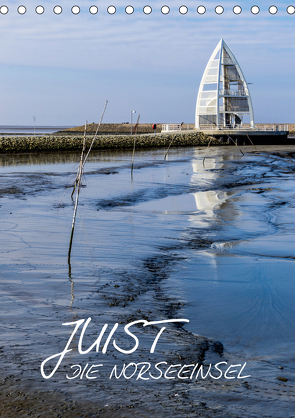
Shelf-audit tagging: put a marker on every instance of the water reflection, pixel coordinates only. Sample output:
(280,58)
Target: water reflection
(235,294)
(178,208)
(62,157)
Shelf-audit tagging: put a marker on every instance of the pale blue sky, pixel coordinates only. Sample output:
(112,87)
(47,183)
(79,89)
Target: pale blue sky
(62,68)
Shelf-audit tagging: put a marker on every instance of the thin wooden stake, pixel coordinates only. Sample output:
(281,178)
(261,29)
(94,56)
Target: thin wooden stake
(105,106)
(81,161)
(132,160)
(79,179)
(236,145)
(74,219)
(251,141)
(165,156)
(207,150)
(136,126)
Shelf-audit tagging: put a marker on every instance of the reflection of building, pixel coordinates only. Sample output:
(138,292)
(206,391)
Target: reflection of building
(206,201)
(223,97)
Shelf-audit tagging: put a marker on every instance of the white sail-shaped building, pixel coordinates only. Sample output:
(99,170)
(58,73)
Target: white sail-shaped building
(224,97)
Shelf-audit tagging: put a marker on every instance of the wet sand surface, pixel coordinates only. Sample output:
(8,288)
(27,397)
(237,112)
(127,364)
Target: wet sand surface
(211,243)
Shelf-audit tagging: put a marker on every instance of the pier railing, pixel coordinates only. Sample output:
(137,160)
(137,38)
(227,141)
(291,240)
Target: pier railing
(170,127)
(266,127)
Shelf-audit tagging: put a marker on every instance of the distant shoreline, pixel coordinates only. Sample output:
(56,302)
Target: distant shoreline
(15,130)
(105,129)
(73,141)
(18,144)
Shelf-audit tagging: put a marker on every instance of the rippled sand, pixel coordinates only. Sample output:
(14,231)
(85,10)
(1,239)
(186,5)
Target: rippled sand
(212,243)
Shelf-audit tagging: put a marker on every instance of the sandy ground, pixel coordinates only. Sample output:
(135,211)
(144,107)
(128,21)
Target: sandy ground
(29,395)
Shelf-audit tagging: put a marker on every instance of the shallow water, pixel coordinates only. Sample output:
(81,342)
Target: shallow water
(216,239)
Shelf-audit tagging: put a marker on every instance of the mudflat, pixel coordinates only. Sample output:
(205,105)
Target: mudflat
(209,243)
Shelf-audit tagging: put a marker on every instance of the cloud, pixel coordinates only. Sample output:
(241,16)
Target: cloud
(125,56)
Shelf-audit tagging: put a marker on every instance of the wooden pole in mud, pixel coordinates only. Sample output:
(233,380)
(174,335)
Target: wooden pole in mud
(136,126)
(81,161)
(250,141)
(77,186)
(91,145)
(132,162)
(207,149)
(165,156)
(234,143)
(73,223)
(79,176)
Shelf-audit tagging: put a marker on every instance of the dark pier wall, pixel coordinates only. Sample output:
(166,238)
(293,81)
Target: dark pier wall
(258,138)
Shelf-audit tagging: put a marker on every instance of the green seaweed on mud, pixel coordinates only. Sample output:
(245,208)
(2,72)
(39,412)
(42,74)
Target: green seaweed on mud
(69,142)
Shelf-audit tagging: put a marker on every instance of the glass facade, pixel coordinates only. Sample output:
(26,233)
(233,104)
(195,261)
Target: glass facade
(223,98)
